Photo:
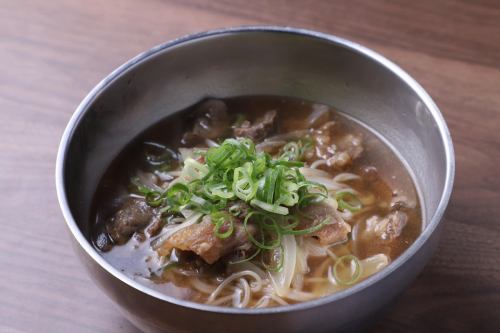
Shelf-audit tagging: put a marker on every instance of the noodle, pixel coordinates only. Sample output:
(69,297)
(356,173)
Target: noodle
(345,176)
(201,286)
(230,279)
(278,299)
(262,302)
(247,293)
(211,143)
(224,299)
(318,163)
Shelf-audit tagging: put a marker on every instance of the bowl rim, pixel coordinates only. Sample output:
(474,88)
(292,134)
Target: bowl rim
(83,107)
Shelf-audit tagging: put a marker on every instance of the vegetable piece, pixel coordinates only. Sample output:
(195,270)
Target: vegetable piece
(282,279)
(219,219)
(270,208)
(347,270)
(347,200)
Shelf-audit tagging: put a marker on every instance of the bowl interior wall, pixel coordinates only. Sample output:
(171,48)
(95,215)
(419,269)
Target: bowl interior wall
(253,63)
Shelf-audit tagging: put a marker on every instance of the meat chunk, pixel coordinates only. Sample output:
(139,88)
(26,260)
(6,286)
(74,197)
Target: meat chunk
(211,121)
(339,151)
(351,144)
(200,239)
(388,227)
(154,228)
(260,128)
(133,215)
(335,231)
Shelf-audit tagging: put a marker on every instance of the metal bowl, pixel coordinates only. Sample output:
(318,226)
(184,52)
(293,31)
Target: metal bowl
(255,61)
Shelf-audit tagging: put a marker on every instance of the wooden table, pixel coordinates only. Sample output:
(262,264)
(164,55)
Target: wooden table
(53,52)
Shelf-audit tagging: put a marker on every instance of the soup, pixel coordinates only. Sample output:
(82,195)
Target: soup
(255,202)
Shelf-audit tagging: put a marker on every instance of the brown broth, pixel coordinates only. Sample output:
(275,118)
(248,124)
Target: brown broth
(137,260)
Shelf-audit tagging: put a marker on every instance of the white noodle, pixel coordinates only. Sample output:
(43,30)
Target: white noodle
(278,299)
(301,266)
(345,176)
(331,278)
(300,296)
(331,254)
(230,279)
(175,173)
(354,233)
(211,143)
(314,172)
(269,144)
(176,220)
(246,293)
(283,278)
(263,302)
(318,163)
(225,299)
(237,298)
(202,286)
(248,266)
(298,281)
(329,183)
(315,280)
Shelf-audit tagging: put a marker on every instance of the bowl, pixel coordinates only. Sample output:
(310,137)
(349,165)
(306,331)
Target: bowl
(255,61)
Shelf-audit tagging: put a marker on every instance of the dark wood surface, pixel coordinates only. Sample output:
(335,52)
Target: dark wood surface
(53,52)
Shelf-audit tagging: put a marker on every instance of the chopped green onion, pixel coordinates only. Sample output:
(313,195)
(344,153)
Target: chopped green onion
(270,208)
(307,231)
(351,263)
(178,195)
(194,170)
(259,219)
(220,219)
(348,200)
(255,254)
(234,171)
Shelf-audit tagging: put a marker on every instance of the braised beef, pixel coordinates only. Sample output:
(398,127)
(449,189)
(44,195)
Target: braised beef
(200,239)
(338,151)
(259,129)
(211,122)
(335,231)
(388,227)
(133,215)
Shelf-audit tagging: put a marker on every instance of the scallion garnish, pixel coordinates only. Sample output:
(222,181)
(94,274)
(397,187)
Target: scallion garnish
(233,177)
(349,264)
(348,200)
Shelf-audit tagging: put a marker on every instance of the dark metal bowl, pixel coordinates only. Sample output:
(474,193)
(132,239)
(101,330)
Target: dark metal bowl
(255,61)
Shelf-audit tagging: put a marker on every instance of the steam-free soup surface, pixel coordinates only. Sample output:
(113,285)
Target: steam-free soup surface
(255,202)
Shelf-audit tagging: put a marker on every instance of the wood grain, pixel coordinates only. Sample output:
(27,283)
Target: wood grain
(53,52)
